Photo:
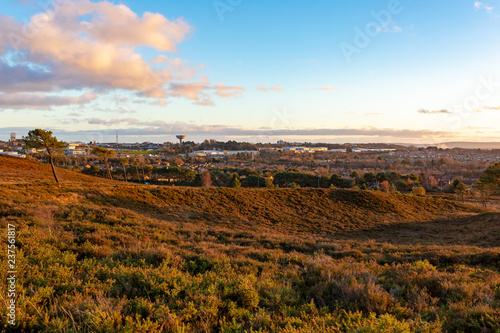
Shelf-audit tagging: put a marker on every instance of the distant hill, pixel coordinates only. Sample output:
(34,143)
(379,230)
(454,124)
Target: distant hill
(471,145)
(460,144)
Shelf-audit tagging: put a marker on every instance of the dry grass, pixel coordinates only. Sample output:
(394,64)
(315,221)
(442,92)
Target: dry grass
(14,170)
(102,256)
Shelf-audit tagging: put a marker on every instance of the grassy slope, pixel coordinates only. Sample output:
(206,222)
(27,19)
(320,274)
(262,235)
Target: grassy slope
(16,170)
(162,259)
(306,210)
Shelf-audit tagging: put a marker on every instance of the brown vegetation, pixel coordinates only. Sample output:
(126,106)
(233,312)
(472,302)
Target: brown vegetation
(17,171)
(102,256)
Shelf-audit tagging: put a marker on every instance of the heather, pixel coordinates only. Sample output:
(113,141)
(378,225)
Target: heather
(101,256)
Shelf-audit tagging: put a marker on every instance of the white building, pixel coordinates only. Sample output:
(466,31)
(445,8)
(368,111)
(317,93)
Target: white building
(76,149)
(207,153)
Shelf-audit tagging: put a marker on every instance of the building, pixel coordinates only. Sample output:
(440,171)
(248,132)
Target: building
(305,149)
(15,144)
(207,153)
(76,149)
(235,152)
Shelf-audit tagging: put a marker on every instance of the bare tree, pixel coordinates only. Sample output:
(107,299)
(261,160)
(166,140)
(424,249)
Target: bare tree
(385,186)
(206,180)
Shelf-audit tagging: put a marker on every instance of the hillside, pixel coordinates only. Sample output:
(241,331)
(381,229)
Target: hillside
(17,170)
(103,256)
(305,210)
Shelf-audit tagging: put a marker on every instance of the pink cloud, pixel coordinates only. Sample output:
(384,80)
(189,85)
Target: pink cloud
(198,91)
(266,89)
(224,91)
(85,44)
(329,88)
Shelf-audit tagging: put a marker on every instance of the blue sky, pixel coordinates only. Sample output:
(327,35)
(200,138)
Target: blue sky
(424,72)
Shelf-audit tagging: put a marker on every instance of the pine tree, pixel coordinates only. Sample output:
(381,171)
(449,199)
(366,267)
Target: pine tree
(42,139)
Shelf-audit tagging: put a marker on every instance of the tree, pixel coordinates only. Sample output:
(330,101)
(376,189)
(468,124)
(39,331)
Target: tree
(135,163)
(339,182)
(459,187)
(94,170)
(269,183)
(456,182)
(430,183)
(206,180)
(255,180)
(178,161)
(42,139)
(355,175)
(149,172)
(489,182)
(490,179)
(124,164)
(104,155)
(385,186)
(236,182)
(369,178)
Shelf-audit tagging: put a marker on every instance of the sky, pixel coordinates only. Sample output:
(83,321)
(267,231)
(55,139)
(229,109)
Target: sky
(396,71)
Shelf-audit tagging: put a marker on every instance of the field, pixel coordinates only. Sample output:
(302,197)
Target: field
(96,255)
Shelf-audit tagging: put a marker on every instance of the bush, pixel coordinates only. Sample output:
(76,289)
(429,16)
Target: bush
(418,191)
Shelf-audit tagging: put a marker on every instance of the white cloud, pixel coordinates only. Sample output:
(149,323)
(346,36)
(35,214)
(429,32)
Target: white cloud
(99,121)
(442,111)
(482,5)
(389,27)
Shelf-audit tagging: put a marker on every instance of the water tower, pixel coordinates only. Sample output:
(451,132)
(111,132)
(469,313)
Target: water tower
(180,137)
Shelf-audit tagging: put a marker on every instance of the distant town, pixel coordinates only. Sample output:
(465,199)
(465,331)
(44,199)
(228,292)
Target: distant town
(182,162)
(15,146)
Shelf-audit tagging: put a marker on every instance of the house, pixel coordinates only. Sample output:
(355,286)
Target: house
(76,149)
